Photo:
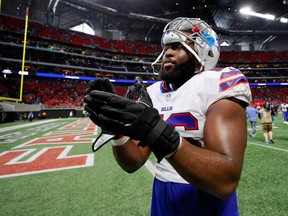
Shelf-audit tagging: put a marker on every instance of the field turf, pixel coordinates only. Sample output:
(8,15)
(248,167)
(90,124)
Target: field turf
(47,167)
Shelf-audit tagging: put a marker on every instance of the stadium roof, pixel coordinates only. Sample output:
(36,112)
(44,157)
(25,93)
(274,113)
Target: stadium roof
(145,19)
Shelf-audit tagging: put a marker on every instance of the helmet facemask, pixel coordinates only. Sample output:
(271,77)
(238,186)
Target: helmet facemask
(205,40)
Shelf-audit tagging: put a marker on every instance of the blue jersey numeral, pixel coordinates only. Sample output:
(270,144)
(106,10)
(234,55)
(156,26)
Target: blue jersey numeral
(186,119)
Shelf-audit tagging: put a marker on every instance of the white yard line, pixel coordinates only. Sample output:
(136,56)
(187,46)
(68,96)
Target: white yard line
(268,146)
(29,124)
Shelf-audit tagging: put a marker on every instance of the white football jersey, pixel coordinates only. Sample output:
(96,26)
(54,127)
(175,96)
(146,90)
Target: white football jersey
(284,107)
(185,108)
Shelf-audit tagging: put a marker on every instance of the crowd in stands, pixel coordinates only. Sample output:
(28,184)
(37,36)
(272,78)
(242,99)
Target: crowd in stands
(51,93)
(69,94)
(274,95)
(50,33)
(79,54)
(253,57)
(89,62)
(75,61)
(67,36)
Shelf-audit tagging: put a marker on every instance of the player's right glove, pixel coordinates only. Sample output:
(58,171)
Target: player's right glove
(137,120)
(101,84)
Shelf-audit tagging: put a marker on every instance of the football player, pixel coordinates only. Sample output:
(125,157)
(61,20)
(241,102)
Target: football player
(284,108)
(194,122)
(252,114)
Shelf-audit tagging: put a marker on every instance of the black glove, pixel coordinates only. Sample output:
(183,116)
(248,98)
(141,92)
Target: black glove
(134,119)
(101,84)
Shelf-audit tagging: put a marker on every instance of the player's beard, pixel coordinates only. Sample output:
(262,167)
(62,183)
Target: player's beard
(180,74)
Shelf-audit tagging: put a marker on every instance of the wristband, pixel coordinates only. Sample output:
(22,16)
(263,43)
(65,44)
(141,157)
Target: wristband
(169,155)
(120,141)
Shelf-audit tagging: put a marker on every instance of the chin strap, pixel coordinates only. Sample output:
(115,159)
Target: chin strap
(195,54)
(156,62)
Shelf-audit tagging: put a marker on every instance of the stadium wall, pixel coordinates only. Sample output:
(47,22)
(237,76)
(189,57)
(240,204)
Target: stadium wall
(6,117)
(19,107)
(61,113)
(11,116)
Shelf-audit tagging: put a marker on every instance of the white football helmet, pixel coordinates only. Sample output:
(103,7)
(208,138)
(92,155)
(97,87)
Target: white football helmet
(205,40)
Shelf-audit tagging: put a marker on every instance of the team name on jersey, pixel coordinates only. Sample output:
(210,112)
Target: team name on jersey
(169,108)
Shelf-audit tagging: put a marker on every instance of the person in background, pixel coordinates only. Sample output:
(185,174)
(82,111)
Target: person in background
(266,123)
(83,113)
(133,91)
(25,116)
(284,108)
(30,116)
(273,114)
(71,114)
(194,122)
(39,115)
(252,114)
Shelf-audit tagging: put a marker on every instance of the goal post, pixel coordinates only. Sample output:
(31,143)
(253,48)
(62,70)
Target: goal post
(23,61)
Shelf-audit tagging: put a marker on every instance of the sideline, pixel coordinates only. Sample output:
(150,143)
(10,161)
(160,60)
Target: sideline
(268,146)
(26,125)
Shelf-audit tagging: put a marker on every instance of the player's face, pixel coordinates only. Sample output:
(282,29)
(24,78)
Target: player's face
(178,65)
(175,54)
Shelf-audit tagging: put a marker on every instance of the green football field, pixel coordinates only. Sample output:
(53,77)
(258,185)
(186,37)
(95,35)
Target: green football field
(48,168)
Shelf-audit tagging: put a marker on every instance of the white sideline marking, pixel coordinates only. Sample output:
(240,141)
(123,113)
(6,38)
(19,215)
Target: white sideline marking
(26,125)
(268,146)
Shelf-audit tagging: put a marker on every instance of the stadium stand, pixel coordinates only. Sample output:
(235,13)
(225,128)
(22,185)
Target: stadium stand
(52,50)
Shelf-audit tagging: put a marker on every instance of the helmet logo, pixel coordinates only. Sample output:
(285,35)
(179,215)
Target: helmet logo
(196,28)
(210,41)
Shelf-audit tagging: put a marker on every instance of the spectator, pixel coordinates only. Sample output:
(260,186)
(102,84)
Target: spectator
(266,123)
(30,116)
(284,108)
(252,114)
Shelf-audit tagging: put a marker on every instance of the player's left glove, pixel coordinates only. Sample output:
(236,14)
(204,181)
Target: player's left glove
(100,84)
(137,120)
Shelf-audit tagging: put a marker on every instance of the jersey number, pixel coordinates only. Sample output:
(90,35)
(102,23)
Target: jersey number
(186,120)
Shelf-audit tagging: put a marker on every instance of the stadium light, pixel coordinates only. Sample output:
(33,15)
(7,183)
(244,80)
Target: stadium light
(23,72)
(248,11)
(225,43)
(7,71)
(284,20)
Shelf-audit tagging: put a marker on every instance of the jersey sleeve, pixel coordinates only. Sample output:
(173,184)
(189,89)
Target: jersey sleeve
(232,83)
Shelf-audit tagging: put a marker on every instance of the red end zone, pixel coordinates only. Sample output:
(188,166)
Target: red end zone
(49,158)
